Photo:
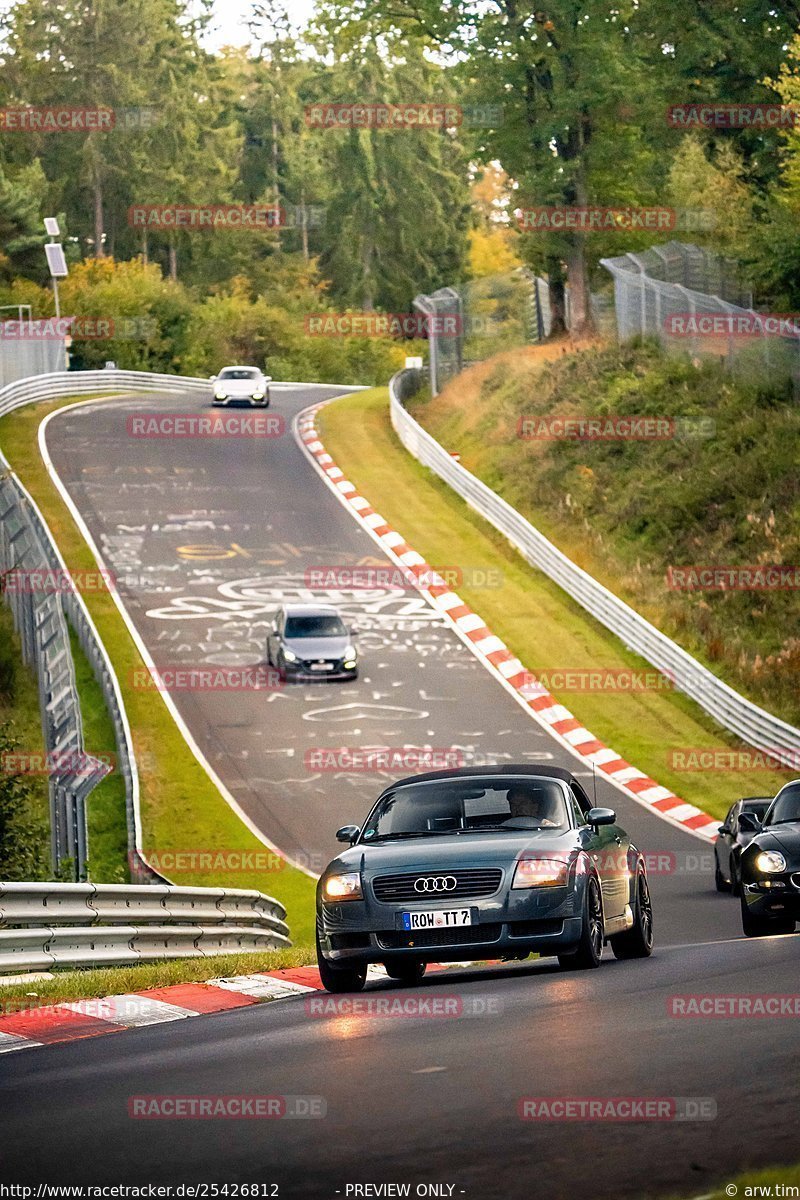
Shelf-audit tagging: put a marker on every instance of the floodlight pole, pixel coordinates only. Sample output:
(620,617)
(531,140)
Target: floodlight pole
(53,236)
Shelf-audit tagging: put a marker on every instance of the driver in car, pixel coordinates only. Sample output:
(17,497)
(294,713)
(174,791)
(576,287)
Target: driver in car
(531,802)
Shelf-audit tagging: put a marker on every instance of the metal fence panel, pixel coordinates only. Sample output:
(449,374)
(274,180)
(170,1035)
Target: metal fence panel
(40,618)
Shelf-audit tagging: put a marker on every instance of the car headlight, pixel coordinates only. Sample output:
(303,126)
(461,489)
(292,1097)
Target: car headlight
(770,862)
(350,657)
(541,872)
(220,395)
(343,887)
(289,655)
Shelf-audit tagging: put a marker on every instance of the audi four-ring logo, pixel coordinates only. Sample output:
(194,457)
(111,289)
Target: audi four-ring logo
(436,883)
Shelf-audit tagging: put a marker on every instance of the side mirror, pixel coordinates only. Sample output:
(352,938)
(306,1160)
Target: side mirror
(722,829)
(748,823)
(211,378)
(601,816)
(354,630)
(267,379)
(348,833)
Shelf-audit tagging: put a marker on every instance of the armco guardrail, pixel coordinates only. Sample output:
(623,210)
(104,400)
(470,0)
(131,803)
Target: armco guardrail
(27,545)
(749,722)
(80,925)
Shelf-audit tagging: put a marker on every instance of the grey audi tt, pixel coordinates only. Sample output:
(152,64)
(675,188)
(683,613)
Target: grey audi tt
(485,862)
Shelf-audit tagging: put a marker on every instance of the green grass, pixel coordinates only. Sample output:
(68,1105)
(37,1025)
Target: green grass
(181,809)
(26,837)
(535,619)
(116,981)
(105,809)
(748,1184)
(627,511)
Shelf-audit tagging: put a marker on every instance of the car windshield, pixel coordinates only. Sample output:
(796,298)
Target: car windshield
(238,373)
(315,625)
(786,806)
(465,805)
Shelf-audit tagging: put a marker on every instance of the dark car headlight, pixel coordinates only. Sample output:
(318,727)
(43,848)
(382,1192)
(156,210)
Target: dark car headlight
(343,887)
(541,872)
(770,862)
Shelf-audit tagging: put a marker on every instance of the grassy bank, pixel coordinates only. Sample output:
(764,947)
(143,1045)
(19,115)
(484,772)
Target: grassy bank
(24,801)
(627,511)
(105,809)
(182,811)
(536,620)
(772,1183)
(118,981)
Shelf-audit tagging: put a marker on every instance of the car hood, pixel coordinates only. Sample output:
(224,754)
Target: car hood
(446,852)
(787,838)
(319,647)
(239,387)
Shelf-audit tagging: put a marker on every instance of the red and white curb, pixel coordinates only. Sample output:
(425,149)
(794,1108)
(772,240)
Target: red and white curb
(90,1018)
(73,1021)
(496,656)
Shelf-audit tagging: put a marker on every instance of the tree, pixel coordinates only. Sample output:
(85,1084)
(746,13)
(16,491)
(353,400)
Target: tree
(21,232)
(399,212)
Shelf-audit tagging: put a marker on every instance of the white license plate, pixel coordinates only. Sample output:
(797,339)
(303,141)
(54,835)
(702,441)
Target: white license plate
(322,666)
(440,918)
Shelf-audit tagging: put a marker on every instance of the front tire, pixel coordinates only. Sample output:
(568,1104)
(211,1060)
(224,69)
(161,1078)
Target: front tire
(637,942)
(340,979)
(406,973)
(589,951)
(755,926)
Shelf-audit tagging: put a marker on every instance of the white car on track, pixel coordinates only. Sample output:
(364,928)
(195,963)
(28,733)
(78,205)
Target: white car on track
(241,385)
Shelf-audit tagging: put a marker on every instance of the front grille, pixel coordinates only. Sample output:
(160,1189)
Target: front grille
(470,935)
(470,881)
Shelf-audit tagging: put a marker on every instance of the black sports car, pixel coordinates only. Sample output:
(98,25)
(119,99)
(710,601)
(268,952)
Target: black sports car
(732,840)
(770,867)
(491,862)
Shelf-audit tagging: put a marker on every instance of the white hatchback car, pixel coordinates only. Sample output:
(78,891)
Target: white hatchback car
(241,385)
